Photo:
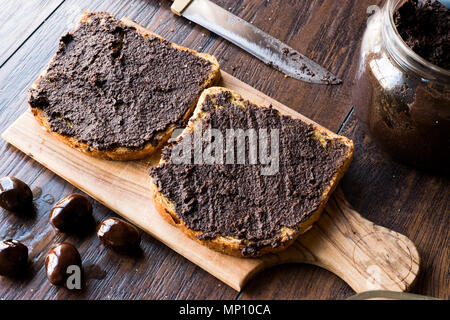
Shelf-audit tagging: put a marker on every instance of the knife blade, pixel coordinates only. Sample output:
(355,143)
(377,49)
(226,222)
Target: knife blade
(253,40)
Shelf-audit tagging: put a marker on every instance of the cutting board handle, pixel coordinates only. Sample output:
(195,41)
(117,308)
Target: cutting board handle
(363,254)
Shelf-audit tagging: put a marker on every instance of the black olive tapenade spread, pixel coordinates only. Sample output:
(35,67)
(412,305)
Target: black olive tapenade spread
(108,86)
(235,200)
(425,27)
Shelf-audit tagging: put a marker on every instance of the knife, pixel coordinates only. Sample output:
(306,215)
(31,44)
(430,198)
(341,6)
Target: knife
(253,40)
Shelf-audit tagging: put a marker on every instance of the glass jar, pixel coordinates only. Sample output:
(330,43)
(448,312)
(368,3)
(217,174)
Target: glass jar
(402,99)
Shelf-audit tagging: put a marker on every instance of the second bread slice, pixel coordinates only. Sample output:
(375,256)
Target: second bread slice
(240,207)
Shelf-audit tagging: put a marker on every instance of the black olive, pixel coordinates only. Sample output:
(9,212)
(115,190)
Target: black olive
(119,235)
(58,260)
(13,257)
(15,195)
(72,214)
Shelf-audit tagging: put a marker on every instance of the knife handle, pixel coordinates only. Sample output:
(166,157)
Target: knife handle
(179,5)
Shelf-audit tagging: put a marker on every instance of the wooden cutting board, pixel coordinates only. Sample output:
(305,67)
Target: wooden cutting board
(365,255)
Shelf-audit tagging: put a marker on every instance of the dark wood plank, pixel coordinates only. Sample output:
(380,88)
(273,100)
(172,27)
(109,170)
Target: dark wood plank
(160,273)
(19,19)
(390,194)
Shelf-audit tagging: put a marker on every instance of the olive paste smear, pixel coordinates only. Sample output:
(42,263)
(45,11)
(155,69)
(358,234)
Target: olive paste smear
(108,86)
(236,200)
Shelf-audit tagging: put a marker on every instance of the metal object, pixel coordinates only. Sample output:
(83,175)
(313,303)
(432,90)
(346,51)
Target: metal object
(389,295)
(260,44)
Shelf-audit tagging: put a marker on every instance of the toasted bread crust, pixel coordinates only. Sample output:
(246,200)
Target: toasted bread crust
(234,246)
(125,153)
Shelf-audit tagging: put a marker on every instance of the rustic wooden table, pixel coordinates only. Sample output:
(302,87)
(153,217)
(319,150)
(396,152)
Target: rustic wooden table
(386,192)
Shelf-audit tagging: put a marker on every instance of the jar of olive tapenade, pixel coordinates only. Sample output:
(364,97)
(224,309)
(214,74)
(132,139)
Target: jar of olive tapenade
(401,97)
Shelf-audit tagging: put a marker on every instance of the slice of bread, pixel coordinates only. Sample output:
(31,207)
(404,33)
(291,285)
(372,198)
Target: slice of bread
(116,112)
(232,236)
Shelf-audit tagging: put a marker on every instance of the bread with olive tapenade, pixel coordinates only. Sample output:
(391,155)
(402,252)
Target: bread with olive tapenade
(233,208)
(115,90)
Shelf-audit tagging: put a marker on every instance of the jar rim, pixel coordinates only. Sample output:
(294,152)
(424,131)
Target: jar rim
(402,53)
